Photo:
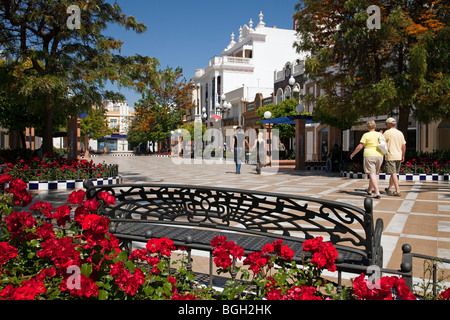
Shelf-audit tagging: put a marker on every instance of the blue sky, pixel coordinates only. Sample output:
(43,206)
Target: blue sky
(188,33)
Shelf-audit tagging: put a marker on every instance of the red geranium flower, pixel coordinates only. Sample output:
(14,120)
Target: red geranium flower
(76,197)
(278,249)
(130,283)
(90,205)
(223,250)
(256,260)
(28,290)
(62,215)
(106,197)
(87,287)
(162,246)
(44,207)
(95,227)
(4,178)
(324,253)
(7,252)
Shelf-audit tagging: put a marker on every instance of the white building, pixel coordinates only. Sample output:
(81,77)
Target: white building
(245,68)
(119,116)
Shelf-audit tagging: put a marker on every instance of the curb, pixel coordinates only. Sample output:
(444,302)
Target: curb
(401,176)
(70,184)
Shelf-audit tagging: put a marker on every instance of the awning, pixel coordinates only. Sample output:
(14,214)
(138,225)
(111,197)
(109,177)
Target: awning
(288,120)
(116,136)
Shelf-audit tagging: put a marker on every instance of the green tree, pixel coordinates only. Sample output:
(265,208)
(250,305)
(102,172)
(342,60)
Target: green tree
(283,109)
(94,126)
(60,71)
(163,105)
(398,69)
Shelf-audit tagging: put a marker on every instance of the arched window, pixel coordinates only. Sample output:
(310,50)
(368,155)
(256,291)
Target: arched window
(279,96)
(288,92)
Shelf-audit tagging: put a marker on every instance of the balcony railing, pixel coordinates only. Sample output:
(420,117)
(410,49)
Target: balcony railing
(230,60)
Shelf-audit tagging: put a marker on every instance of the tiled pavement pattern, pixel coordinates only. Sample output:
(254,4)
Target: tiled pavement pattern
(420,217)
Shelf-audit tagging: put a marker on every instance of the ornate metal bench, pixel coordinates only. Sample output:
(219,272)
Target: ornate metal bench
(193,215)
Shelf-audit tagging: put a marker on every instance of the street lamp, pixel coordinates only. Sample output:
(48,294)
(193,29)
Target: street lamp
(300,108)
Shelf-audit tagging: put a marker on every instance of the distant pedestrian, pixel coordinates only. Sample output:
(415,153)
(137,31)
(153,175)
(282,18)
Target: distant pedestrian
(373,157)
(239,148)
(260,147)
(396,155)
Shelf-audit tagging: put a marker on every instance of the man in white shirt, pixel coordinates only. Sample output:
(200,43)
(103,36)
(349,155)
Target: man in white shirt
(396,154)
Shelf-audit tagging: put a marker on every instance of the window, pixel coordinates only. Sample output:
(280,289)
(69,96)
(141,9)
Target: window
(113,123)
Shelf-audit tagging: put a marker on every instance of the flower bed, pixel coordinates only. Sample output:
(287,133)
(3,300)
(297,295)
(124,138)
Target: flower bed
(418,167)
(48,254)
(55,172)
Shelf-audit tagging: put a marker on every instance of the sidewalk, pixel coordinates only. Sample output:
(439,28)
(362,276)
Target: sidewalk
(420,217)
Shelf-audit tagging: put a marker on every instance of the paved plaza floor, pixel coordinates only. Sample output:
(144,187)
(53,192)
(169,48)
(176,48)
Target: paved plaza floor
(420,217)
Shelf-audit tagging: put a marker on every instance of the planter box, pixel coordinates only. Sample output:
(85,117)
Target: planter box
(401,177)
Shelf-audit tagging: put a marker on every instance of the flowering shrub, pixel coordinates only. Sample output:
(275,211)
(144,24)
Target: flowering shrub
(415,162)
(51,167)
(48,253)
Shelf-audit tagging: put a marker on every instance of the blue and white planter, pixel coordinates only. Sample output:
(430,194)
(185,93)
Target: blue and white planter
(70,184)
(401,177)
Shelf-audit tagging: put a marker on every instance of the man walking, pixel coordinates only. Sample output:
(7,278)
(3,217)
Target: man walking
(396,155)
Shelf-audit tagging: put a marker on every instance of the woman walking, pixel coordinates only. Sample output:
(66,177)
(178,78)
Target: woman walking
(373,157)
(239,148)
(261,154)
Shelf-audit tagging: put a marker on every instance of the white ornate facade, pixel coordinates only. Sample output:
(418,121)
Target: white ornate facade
(245,68)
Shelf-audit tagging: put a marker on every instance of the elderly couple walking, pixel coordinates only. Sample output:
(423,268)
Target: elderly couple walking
(373,156)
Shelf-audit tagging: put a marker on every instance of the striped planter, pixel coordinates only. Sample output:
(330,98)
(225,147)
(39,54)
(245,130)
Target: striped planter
(401,177)
(70,184)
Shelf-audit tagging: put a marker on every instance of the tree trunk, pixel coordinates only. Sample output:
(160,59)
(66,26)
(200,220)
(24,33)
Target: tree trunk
(86,146)
(403,119)
(47,131)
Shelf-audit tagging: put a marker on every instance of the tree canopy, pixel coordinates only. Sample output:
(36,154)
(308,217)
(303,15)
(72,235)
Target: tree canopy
(58,70)
(399,69)
(163,106)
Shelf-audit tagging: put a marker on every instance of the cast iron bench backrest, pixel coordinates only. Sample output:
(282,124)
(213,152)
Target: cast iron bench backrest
(256,212)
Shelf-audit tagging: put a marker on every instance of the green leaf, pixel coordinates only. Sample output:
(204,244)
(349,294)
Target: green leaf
(86,269)
(103,295)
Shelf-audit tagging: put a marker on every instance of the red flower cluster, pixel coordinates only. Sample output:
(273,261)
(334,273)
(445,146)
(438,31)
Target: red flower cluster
(384,289)
(324,253)
(256,261)
(130,282)
(278,249)
(445,295)
(293,293)
(7,252)
(18,188)
(95,227)
(107,198)
(18,223)
(62,252)
(88,288)
(28,290)
(222,251)
(162,246)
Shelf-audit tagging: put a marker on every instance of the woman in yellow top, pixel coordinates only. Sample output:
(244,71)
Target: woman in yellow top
(373,157)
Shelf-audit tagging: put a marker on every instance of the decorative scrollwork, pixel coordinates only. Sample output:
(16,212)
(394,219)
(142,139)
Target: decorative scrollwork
(291,216)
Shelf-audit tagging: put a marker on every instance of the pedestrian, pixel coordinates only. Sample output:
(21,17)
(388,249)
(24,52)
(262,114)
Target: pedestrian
(260,147)
(373,157)
(396,155)
(238,148)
